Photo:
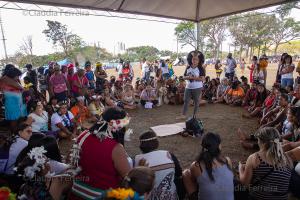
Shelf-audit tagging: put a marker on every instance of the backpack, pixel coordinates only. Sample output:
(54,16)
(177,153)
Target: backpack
(194,126)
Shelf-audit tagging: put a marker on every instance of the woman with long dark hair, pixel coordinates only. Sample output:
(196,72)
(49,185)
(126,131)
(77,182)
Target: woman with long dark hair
(194,75)
(210,176)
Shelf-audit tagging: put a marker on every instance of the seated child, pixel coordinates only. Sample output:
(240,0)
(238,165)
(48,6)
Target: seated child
(235,95)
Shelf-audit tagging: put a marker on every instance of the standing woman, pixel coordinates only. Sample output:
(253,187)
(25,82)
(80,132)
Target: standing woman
(242,65)
(280,66)
(253,66)
(12,89)
(194,76)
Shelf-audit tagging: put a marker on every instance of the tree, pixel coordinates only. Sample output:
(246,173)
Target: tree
(286,30)
(137,53)
(27,47)
(185,32)
(62,37)
(214,30)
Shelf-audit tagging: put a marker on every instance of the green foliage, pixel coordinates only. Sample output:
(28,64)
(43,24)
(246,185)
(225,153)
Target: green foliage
(62,37)
(185,32)
(138,53)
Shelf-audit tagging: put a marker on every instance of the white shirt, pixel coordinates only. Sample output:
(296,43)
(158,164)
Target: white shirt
(14,151)
(194,72)
(288,75)
(164,70)
(56,119)
(145,67)
(231,64)
(40,123)
(119,68)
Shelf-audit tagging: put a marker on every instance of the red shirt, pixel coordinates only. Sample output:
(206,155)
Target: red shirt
(83,81)
(96,162)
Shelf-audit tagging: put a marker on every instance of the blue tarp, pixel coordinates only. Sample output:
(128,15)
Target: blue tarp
(66,61)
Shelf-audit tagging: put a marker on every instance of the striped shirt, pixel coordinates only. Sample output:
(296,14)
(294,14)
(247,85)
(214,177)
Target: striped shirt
(269,182)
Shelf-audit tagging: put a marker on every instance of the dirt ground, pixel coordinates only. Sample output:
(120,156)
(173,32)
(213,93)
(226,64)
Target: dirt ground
(221,119)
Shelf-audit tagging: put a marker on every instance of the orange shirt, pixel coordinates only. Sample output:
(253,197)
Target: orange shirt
(239,92)
(263,64)
(83,112)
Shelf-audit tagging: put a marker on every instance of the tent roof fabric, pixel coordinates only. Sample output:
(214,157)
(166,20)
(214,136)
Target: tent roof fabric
(191,10)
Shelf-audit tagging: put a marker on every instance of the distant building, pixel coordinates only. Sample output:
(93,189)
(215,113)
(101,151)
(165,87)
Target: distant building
(120,48)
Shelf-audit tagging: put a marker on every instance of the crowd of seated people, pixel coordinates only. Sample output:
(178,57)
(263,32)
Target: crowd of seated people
(91,108)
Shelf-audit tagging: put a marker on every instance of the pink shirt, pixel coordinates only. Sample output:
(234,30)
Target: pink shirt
(83,81)
(58,83)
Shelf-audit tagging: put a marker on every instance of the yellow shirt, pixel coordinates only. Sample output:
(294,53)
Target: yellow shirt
(263,64)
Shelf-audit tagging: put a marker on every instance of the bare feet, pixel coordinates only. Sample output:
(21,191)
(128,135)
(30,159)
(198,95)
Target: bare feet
(241,135)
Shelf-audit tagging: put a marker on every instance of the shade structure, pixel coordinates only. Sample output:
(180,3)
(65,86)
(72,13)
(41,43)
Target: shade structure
(192,10)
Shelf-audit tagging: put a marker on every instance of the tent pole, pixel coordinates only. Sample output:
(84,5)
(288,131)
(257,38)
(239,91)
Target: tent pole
(198,36)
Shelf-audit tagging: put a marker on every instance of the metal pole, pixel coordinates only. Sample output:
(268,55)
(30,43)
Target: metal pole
(177,45)
(3,39)
(198,35)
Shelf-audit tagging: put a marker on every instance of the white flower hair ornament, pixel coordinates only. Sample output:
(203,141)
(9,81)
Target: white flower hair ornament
(36,154)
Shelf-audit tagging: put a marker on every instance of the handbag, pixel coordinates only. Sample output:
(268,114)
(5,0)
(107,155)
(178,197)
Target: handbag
(194,126)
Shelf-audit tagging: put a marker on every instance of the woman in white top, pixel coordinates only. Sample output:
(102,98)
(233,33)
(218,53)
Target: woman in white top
(21,141)
(63,121)
(258,75)
(165,166)
(194,76)
(287,72)
(39,119)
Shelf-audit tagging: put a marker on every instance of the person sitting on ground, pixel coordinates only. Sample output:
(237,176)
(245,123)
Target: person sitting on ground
(297,79)
(148,95)
(139,89)
(222,91)
(180,91)
(20,141)
(104,142)
(128,97)
(63,121)
(81,113)
(250,96)
(211,91)
(164,186)
(96,107)
(210,176)
(290,125)
(235,95)
(258,105)
(290,92)
(39,183)
(109,99)
(117,90)
(270,100)
(296,98)
(39,120)
(171,91)
(141,180)
(268,168)
(245,84)
(54,156)
(278,114)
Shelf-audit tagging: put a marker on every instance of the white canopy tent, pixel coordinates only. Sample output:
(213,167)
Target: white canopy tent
(191,10)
